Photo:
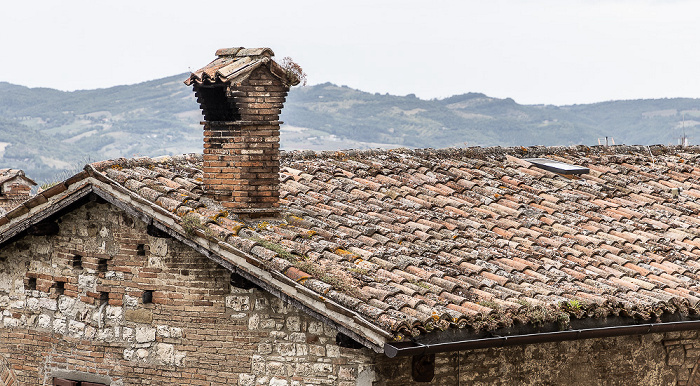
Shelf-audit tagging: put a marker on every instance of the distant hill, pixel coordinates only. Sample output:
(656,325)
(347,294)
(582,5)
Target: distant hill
(49,132)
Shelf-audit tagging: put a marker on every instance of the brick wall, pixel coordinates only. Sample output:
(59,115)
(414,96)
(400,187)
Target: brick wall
(241,158)
(198,330)
(7,376)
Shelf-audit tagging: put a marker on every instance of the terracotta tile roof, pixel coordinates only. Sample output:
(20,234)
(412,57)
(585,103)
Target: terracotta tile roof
(418,240)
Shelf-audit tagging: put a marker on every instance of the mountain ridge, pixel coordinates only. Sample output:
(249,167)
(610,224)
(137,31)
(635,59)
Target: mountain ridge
(50,132)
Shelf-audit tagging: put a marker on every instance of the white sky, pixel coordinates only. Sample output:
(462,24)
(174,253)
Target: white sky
(534,51)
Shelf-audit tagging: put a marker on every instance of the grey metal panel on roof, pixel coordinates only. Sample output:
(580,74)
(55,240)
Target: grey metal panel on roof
(557,166)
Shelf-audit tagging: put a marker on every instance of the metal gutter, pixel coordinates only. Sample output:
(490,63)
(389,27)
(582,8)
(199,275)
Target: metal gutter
(398,349)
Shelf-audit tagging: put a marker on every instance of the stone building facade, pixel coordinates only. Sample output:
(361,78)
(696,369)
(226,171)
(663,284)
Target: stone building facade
(103,301)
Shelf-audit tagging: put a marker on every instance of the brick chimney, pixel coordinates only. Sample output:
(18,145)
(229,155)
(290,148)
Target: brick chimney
(15,188)
(241,94)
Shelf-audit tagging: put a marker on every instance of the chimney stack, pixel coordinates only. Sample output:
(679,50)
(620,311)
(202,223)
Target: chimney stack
(241,94)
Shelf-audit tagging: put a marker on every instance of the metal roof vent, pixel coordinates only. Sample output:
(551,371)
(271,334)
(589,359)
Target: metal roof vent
(557,166)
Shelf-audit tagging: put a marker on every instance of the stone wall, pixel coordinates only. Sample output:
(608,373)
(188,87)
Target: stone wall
(294,349)
(73,305)
(655,359)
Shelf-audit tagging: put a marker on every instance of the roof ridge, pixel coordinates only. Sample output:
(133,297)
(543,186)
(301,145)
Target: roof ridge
(145,161)
(471,152)
(491,151)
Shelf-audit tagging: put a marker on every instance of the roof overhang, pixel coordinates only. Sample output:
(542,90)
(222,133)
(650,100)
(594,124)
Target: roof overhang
(459,340)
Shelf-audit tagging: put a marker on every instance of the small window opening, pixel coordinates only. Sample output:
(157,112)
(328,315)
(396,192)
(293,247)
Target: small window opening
(104,297)
(31,284)
(60,287)
(102,265)
(147,297)
(141,250)
(77,262)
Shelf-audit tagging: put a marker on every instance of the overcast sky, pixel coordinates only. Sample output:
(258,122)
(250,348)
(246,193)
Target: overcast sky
(534,51)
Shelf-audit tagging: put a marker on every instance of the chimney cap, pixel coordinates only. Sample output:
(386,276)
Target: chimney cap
(236,63)
(242,51)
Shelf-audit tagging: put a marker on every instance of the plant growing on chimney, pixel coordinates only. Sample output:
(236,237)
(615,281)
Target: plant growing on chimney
(293,70)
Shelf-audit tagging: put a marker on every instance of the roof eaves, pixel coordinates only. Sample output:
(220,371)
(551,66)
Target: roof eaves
(587,331)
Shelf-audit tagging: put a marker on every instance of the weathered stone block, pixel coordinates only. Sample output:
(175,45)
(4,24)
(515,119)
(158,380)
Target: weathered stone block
(332,351)
(257,365)
(142,353)
(165,353)
(302,350)
(316,350)
(139,316)
(322,368)
(276,368)
(238,303)
(675,356)
(265,348)
(278,382)
(347,372)
(43,321)
(127,334)
(286,349)
(246,380)
(49,304)
(59,326)
(76,329)
(293,323)
(145,334)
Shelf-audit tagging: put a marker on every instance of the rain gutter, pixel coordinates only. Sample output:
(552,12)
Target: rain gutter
(399,349)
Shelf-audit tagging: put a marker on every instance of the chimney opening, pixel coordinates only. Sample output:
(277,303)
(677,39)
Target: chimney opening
(215,104)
